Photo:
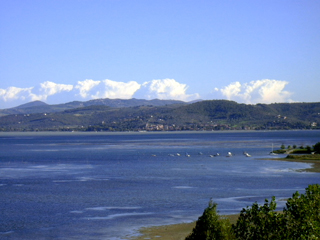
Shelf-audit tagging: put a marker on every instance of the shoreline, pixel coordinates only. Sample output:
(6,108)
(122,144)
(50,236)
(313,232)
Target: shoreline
(6,133)
(315,164)
(182,230)
(173,232)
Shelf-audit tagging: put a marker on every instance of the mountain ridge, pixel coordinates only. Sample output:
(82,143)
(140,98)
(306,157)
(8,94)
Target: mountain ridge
(203,115)
(41,107)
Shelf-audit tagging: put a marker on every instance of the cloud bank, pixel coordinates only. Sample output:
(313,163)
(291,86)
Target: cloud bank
(94,89)
(259,91)
(106,89)
(167,89)
(49,89)
(15,93)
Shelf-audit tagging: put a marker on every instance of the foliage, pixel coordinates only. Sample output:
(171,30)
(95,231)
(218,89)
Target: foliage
(258,222)
(308,149)
(303,156)
(302,214)
(211,226)
(300,219)
(316,147)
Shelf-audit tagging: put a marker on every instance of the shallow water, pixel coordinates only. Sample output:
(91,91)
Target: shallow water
(106,186)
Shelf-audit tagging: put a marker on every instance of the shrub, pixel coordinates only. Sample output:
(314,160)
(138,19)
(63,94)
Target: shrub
(259,222)
(300,219)
(316,147)
(211,226)
(302,214)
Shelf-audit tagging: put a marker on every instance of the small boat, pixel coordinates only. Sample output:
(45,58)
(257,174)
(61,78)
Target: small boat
(229,154)
(211,155)
(200,153)
(217,154)
(171,155)
(178,154)
(187,155)
(272,153)
(246,154)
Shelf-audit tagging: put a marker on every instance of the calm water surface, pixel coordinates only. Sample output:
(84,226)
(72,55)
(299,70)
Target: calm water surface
(106,186)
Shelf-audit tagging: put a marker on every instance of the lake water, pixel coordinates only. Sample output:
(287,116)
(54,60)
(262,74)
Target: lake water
(108,185)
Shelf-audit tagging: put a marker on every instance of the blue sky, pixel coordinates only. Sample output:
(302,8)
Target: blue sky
(248,51)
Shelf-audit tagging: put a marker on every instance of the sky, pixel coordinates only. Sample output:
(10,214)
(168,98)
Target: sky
(248,51)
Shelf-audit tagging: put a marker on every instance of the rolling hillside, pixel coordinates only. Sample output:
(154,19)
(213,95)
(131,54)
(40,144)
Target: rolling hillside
(163,116)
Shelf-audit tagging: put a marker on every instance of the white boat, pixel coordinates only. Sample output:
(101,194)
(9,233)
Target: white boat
(246,154)
(187,155)
(178,154)
(229,154)
(272,153)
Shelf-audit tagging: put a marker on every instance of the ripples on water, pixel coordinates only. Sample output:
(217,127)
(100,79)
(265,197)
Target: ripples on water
(106,186)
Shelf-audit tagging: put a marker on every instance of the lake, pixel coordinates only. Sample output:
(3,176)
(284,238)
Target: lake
(108,185)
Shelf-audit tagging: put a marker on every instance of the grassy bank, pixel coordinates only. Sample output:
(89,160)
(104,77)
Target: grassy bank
(314,159)
(172,232)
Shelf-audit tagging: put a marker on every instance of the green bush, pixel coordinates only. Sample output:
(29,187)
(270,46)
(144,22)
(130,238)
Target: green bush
(211,226)
(302,214)
(300,219)
(258,222)
(316,147)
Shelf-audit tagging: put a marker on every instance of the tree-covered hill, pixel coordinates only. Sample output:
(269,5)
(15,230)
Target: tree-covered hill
(41,107)
(203,115)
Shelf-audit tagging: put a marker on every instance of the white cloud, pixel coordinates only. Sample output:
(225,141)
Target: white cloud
(259,91)
(50,88)
(167,89)
(86,86)
(107,89)
(15,93)
(232,90)
(46,89)
(113,89)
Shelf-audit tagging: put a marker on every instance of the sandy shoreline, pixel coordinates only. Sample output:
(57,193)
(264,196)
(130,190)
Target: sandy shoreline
(172,232)
(181,231)
(168,232)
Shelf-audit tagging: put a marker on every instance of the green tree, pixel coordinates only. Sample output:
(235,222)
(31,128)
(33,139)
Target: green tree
(300,219)
(282,146)
(302,214)
(316,147)
(211,226)
(308,148)
(259,222)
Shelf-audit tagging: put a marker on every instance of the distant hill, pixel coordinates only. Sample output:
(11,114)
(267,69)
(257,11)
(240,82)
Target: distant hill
(157,115)
(32,104)
(41,107)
